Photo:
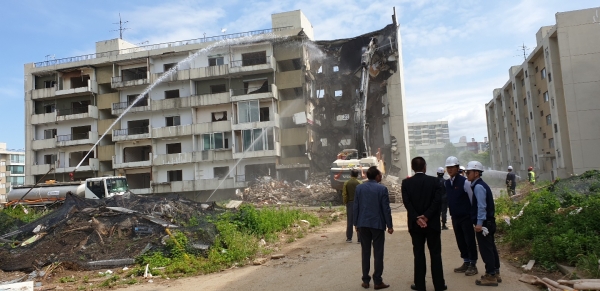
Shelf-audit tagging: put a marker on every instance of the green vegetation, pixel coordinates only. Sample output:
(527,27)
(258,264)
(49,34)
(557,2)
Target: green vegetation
(559,224)
(236,243)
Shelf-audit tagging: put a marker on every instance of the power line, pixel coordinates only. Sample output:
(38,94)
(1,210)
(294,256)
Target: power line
(121,28)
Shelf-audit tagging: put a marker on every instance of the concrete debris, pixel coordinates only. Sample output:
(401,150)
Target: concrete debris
(529,265)
(259,261)
(277,256)
(22,286)
(268,191)
(233,204)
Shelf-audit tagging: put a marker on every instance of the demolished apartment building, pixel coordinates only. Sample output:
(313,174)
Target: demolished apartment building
(270,102)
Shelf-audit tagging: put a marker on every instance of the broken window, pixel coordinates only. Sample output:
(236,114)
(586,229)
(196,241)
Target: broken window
(49,159)
(171,94)
(134,74)
(546,96)
(248,111)
(320,93)
(219,116)
(264,114)
(256,86)
(80,132)
(173,148)
(49,133)
(172,121)
(336,68)
(256,58)
(220,172)
(221,88)
(215,61)
(173,176)
(167,67)
(81,81)
(142,102)
(135,127)
(214,141)
(49,108)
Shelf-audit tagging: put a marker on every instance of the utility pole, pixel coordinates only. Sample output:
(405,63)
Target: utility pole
(524,49)
(121,28)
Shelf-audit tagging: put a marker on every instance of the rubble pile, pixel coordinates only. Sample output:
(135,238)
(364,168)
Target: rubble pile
(88,234)
(269,191)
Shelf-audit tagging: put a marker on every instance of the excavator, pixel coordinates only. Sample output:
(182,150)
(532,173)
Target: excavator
(360,158)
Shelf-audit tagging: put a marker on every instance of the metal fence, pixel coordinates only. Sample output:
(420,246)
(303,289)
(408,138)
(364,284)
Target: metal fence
(251,62)
(158,46)
(123,105)
(132,131)
(74,136)
(70,111)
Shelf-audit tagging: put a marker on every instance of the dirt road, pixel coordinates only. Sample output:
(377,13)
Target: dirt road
(324,261)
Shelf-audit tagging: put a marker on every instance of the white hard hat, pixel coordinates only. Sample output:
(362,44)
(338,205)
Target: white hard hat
(474,165)
(452,161)
(440,170)
(510,167)
(461,168)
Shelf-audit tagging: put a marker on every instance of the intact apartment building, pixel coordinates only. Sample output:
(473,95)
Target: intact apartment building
(547,114)
(12,169)
(247,106)
(428,137)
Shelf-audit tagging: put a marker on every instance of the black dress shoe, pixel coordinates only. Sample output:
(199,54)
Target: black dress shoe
(381,286)
(365,285)
(413,287)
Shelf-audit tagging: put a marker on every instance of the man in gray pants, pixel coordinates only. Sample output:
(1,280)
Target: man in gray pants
(348,197)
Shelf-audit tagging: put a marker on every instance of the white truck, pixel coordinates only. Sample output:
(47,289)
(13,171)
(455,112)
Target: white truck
(51,192)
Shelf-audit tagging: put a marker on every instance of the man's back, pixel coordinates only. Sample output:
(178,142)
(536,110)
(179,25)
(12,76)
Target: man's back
(372,206)
(511,180)
(421,195)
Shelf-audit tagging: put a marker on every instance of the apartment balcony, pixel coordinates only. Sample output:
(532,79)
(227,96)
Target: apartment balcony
(142,191)
(43,118)
(276,152)
(208,127)
(184,102)
(242,94)
(135,133)
(118,82)
(208,72)
(84,138)
(43,93)
(173,159)
(91,166)
(129,165)
(274,122)
(214,155)
(289,79)
(253,66)
(105,101)
(119,107)
(77,113)
(41,144)
(197,185)
(79,90)
(209,99)
(172,131)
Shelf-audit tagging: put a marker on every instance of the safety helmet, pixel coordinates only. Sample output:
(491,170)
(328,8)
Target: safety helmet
(461,168)
(440,170)
(510,167)
(452,161)
(474,165)
(530,169)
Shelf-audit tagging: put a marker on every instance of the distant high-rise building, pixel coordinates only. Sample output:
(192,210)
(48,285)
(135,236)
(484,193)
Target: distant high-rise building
(12,169)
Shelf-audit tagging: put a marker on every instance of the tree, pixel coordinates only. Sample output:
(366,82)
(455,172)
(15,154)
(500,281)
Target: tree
(484,158)
(449,150)
(467,156)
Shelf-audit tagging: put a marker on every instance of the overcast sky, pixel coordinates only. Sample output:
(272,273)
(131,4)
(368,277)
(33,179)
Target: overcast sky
(455,52)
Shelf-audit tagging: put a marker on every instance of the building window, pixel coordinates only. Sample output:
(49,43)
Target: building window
(248,111)
(542,113)
(544,135)
(214,141)
(530,114)
(524,101)
(256,58)
(548,119)
(142,102)
(551,143)
(262,136)
(215,61)
(526,74)
(555,128)
(173,176)
(172,121)
(173,148)
(17,159)
(171,94)
(220,172)
(49,159)
(16,169)
(546,96)
(220,88)
(543,73)
(219,116)
(49,108)
(549,77)
(336,68)
(167,67)
(528,94)
(18,180)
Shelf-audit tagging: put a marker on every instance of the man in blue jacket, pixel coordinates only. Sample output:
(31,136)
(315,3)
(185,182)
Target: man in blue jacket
(371,215)
(459,193)
(483,217)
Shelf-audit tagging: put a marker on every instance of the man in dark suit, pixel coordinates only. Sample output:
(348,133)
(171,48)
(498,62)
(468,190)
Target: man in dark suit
(421,195)
(371,215)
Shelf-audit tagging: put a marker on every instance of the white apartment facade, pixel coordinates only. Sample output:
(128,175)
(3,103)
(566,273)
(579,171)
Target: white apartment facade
(546,115)
(12,169)
(230,115)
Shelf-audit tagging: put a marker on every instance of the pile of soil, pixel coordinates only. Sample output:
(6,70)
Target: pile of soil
(91,234)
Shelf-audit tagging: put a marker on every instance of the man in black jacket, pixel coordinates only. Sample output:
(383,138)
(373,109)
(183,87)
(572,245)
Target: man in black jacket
(421,195)
(444,209)
(511,181)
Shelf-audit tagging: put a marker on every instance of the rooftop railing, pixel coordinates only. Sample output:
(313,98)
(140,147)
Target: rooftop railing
(158,46)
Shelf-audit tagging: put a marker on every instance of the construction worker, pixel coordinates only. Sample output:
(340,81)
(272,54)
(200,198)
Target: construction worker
(444,208)
(459,195)
(511,182)
(531,175)
(483,217)
(461,171)
(348,196)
